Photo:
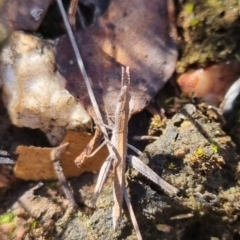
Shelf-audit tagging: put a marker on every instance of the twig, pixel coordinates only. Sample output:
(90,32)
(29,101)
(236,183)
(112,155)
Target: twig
(102,176)
(182,216)
(56,154)
(4,153)
(86,79)
(141,138)
(150,174)
(88,86)
(72,12)
(132,215)
(138,152)
(6,160)
(81,18)
(90,93)
(153,110)
(88,150)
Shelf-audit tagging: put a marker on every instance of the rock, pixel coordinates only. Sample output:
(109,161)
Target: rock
(34,92)
(205,174)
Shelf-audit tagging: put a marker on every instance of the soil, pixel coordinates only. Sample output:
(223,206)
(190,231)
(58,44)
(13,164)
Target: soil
(208,32)
(197,151)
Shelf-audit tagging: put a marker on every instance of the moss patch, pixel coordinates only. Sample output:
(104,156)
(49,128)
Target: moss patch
(208,32)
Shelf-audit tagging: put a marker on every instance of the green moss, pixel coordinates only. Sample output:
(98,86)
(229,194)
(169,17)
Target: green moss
(172,166)
(214,3)
(53,184)
(214,148)
(7,217)
(188,8)
(156,125)
(34,224)
(200,151)
(194,22)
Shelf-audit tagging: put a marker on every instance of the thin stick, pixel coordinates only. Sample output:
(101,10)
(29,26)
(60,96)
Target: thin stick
(84,72)
(102,176)
(89,89)
(80,63)
(138,152)
(81,18)
(182,216)
(150,174)
(72,12)
(88,150)
(56,154)
(132,215)
(141,138)
(6,160)
(97,149)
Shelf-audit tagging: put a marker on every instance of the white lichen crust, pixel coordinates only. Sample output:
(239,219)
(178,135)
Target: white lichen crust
(33,91)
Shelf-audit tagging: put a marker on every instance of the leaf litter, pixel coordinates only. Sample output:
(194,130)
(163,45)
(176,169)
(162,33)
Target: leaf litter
(161,209)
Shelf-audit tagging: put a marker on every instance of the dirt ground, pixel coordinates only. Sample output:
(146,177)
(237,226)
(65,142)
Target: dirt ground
(193,153)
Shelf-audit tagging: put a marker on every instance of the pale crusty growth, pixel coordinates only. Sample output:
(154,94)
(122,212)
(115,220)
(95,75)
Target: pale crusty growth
(33,91)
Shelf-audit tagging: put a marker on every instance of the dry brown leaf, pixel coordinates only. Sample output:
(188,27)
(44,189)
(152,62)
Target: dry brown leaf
(34,163)
(138,34)
(23,15)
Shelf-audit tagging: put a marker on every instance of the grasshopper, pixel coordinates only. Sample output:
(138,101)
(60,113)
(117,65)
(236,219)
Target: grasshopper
(118,145)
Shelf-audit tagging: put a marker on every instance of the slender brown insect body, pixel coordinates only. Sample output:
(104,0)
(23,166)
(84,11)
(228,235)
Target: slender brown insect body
(119,140)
